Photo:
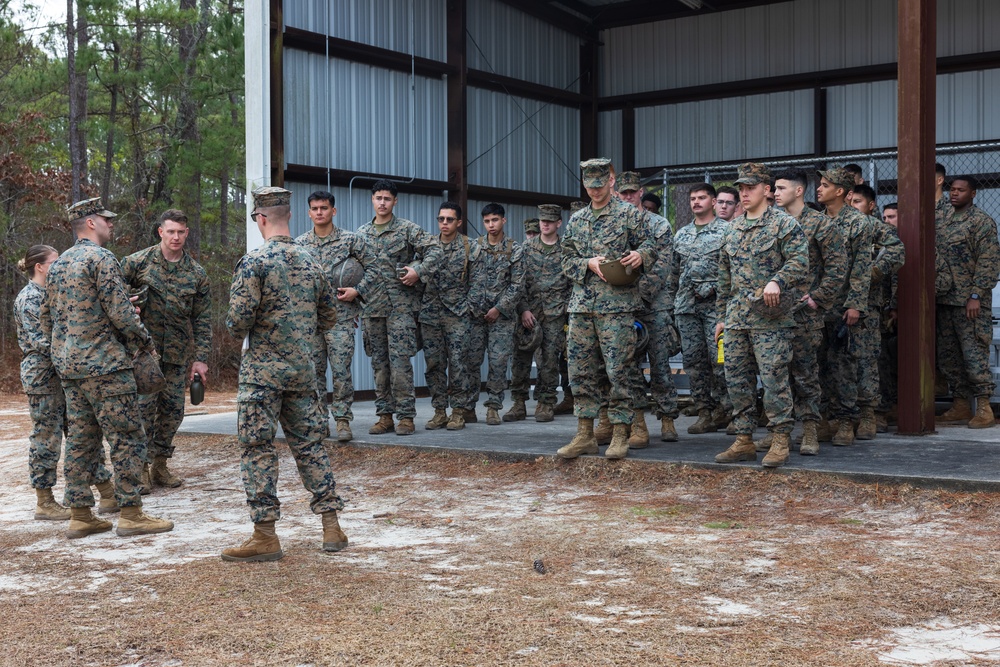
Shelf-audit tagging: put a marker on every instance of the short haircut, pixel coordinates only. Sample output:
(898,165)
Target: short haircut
(385,184)
(705,187)
(493,208)
(893,206)
(865,191)
(173,214)
(939,169)
(77,224)
(729,190)
(453,206)
(854,169)
(322,195)
(650,197)
(971,180)
(796,176)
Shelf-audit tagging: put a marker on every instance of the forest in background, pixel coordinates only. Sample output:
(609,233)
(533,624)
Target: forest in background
(140,102)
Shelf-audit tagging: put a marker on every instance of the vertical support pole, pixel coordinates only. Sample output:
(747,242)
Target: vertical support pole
(256,60)
(819,122)
(917,99)
(588,112)
(628,139)
(457,108)
(277,94)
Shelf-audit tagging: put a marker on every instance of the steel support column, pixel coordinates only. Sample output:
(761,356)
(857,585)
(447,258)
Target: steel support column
(457,109)
(588,112)
(917,100)
(277,93)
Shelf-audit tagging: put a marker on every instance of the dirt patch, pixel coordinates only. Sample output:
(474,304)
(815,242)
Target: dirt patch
(643,565)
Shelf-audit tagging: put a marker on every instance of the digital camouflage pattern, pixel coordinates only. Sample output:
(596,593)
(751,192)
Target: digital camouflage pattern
(38,376)
(854,291)
(163,412)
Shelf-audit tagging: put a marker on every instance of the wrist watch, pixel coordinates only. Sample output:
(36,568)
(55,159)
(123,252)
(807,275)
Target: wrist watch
(974,296)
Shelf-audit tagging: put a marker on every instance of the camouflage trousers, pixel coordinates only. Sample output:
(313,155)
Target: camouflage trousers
(337,349)
(768,352)
(838,372)
(601,352)
(964,350)
(163,413)
(552,346)
(390,342)
(707,378)
(496,342)
(103,407)
(445,353)
(305,424)
(662,337)
(804,372)
(868,340)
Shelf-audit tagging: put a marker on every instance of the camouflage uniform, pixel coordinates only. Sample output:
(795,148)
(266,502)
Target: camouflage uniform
(178,315)
(546,294)
(336,346)
(445,324)
(280,299)
(656,316)
(827,268)
(969,253)
(601,339)
(756,252)
(94,333)
(389,313)
(502,287)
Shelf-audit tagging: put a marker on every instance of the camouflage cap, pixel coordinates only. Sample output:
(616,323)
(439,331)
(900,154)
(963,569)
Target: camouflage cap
(271,196)
(752,173)
(596,172)
(628,181)
(82,209)
(550,212)
(576,206)
(531,226)
(839,177)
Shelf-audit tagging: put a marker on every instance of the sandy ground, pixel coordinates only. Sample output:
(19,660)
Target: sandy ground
(459,560)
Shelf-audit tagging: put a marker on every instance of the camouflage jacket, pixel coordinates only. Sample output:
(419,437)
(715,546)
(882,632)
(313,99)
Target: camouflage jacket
(756,252)
(942,207)
(37,374)
(91,325)
(447,284)
(401,242)
(888,255)
(281,300)
(695,269)
(330,251)
(857,282)
(546,288)
(616,230)
(827,265)
(969,254)
(502,285)
(178,310)
(655,285)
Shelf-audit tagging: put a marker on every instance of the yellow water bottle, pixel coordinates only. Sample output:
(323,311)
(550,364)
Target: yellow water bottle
(720,358)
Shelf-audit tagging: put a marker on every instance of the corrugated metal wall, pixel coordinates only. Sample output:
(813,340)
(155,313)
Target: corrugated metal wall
(609,136)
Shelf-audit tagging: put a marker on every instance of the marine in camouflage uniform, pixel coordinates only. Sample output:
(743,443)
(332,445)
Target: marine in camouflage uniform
(178,315)
(546,294)
(757,253)
(969,255)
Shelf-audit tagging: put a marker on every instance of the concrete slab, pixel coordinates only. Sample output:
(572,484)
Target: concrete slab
(955,457)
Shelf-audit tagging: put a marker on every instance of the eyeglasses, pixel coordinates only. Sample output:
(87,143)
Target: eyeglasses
(442,218)
(256,214)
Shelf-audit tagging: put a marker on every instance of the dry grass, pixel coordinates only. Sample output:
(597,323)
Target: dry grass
(645,565)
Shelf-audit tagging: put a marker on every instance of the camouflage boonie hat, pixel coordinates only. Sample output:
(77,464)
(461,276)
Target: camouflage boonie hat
(596,172)
(839,177)
(628,181)
(752,173)
(82,209)
(550,212)
(271,196)
(531,225)
(576,206)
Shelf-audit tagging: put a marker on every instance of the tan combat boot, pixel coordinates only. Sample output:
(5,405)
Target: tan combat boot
(825,430)
(810,443)
(145,481)
(668,433)
(844,436)
(82,522)
(108,503)
(457,420)
(704,424)
(470,416)
(344,433)
(133,521)
(439,420)
(741,450)
(161,475)
(583,443)
(544,412)
(618,449)
(866,426)
(492,417)
(517,412)
(334,538)
(881,423)
(405,426)
(603,431)
(721,417)
(382,426)
(47,509)
(764,444)
(263,545)
(639,439)
(959,412)
(778,454)
(565,407)
(984,416)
